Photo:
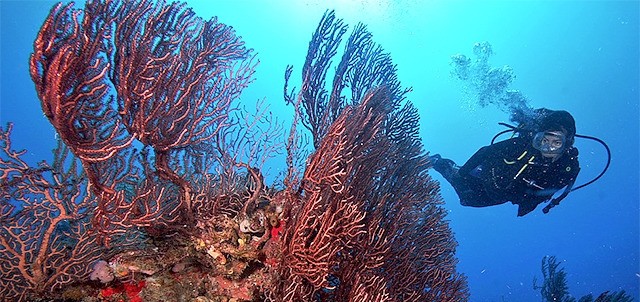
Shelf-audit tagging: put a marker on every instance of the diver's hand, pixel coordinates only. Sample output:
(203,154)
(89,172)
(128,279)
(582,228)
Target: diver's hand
(546,209)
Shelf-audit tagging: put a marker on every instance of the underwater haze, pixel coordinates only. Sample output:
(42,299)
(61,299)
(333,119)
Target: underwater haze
(579,56)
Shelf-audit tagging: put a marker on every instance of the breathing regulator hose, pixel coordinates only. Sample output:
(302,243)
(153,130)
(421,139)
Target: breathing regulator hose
(606,167)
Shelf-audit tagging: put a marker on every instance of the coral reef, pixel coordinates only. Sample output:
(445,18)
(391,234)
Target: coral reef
(156,193)
(554,286)
(342,245)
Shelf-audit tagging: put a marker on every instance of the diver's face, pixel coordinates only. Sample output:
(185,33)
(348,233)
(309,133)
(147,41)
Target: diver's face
(553,140)
(551,144)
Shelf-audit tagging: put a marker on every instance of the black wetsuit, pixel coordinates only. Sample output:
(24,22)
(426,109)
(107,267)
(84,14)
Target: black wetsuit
(510,170)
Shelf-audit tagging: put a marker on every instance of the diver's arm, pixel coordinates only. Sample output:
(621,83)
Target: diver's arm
(475,160)
(499,149)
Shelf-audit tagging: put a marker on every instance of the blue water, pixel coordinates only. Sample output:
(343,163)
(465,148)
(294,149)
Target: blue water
(573,55)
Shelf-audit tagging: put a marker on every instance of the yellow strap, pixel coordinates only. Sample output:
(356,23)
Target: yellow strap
(522,155)
(530,161)
(513,162)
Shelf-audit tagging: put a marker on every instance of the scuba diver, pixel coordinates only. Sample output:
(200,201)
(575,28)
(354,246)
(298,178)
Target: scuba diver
(527,169)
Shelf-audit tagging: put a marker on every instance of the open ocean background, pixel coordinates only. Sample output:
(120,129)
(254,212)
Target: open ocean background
(580,56)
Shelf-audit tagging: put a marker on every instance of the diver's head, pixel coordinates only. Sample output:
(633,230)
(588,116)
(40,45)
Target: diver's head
(560,120)
(556,133)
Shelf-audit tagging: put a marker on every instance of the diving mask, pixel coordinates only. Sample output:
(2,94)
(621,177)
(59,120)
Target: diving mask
(551,142)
